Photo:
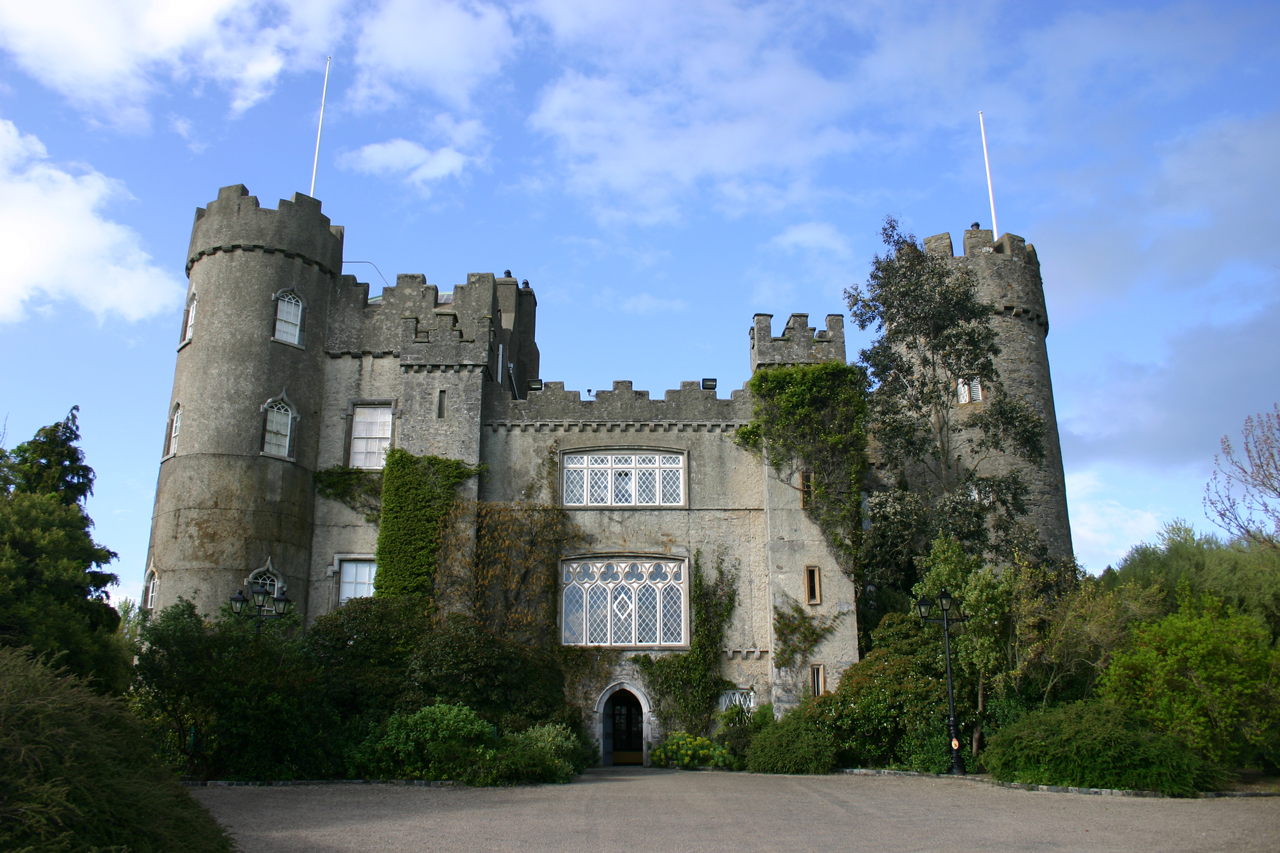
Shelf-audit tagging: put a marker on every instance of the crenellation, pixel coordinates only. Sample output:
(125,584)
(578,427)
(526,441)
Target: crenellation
(799,343)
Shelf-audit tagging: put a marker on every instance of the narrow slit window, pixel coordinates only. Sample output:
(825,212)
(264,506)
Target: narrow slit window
(806,489)
(289,318)
(818,679)
(440,405)
(813,584)
(175,426)
(189,319)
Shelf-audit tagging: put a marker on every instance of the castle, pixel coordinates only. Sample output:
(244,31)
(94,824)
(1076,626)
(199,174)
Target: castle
(286,367)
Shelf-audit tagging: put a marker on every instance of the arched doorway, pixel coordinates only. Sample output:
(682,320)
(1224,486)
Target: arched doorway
(622,725)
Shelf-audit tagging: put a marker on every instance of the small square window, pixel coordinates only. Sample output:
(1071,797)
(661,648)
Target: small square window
(356,579)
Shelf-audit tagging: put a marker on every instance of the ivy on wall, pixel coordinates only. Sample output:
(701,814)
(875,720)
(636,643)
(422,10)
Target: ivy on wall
(687,685)
(505,575)
(358,488)
(813,416)
(417,496)
(799,632)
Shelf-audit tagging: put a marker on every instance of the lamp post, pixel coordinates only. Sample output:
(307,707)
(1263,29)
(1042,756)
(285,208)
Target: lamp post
(924,605)
(280,603)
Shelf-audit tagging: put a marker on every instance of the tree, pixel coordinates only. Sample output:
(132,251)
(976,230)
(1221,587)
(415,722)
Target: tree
(1243,496)
(935,334)
(53,593)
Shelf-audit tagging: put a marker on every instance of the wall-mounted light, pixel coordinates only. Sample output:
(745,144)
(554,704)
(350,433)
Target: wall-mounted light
(708,385)
(535,384)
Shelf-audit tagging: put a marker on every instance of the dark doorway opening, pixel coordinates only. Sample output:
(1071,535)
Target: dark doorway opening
(624,729)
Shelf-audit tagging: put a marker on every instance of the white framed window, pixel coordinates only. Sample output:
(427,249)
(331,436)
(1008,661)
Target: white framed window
(623,478)
(150,585)
(289,309)
(623,601)
(267,578)
(370,436)
(355,579)
(968,390)
(277,428)
(189,319)
(171,434)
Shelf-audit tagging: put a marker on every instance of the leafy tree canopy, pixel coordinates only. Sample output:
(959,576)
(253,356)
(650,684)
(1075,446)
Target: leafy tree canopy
(935,332)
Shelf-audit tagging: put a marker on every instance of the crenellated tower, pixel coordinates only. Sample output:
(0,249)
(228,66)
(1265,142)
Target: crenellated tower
(1007,272)
(235,494)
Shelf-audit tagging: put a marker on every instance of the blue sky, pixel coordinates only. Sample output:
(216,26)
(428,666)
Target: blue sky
(661,171)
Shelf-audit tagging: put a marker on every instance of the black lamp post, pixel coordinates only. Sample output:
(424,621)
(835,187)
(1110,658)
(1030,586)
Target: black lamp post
(280,602)
(924,605)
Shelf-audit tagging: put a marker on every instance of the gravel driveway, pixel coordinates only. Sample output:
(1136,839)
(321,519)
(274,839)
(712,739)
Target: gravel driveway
(637,809)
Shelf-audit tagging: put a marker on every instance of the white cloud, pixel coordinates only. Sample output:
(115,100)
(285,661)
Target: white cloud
(63,246)
(406,161)
(446,48)
(817,237)
(108,57)
(1102,528)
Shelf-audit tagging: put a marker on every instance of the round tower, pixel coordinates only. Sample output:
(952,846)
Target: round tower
(235,494)
(1008,277)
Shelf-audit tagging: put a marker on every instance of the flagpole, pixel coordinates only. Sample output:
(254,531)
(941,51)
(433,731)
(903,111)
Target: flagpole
(995,229)
(325,91)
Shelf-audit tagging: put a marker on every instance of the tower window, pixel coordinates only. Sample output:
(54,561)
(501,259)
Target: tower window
(189,319)
(440,405)
(289,318)
(813,584)
(267,578)
(806,489)
(150,585)
(278,430)
(370,436)
(818,679)
(171,434)
(968,390)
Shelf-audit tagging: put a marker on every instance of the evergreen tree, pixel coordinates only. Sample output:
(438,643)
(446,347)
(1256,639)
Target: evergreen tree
(53,592)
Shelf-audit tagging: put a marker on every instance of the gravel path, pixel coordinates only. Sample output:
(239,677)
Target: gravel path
(635,809)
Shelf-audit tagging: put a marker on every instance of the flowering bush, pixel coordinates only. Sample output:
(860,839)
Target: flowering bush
(683,750)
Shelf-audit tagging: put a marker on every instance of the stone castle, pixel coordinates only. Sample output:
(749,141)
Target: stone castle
(287,367)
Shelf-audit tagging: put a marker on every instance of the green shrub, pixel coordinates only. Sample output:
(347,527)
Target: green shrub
(795,744)
(510,684)
(225,703)
(436,742)
(683,750)
(890,709)
(551,752)
(1206,675)
(77,773)
(739,727)
(1091,744)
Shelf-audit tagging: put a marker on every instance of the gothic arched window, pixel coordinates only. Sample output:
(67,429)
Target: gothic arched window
(289,315)
(277,428)
(623,601)
(174,427)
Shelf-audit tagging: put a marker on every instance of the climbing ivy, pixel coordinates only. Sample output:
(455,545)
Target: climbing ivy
(417,495)
(812,417)
(799,632)
(356,487)
(688,684)
(505,575)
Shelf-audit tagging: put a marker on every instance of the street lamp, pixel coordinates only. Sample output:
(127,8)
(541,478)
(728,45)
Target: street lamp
(924,605)
(280,603)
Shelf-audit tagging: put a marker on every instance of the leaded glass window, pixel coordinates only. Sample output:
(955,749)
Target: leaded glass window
(624,479)
(623,602)
(370,436)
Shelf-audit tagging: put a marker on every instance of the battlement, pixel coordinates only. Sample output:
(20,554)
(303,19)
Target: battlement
(235,222)
(623,407)
(799,343)
(980,242)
